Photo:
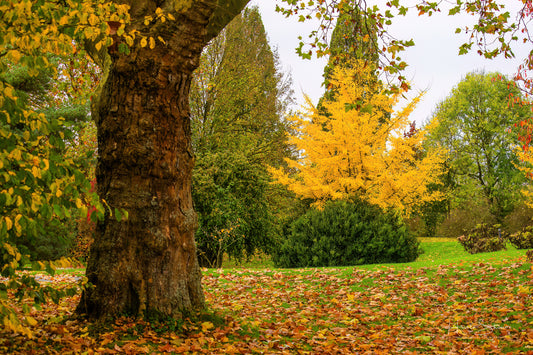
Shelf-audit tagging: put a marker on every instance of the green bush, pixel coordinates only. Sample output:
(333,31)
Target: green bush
(522,239)
(484,238)
(230,194)
(52,241)
(346,233)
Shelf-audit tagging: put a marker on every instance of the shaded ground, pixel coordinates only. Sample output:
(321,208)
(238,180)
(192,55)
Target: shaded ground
(479,308)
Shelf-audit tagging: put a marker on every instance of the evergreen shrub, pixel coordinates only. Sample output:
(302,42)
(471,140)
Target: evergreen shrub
(346,233)
(484,238)
(52,241)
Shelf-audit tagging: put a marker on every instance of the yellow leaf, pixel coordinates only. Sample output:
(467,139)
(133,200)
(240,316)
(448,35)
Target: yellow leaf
(10,250)
(18,227)
(152,43)
(83,210)
(143,42)
(15,55)
(64,20)
(59,193)
(161,39)
(93,20)
(98,45)
(35,202)
(129,40)
(524,290)
(15,154)
(31,321)
(19,202)
(9,92)
(36,172)
(206,326)
(88,32)
(7,323)
(9,223)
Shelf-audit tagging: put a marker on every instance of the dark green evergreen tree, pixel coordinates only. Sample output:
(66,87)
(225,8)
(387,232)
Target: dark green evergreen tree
(354,38)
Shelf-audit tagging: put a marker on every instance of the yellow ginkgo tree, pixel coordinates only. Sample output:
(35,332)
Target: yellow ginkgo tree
(358,146)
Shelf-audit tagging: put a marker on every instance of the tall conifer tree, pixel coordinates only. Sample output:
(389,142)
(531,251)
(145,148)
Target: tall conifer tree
(354,38)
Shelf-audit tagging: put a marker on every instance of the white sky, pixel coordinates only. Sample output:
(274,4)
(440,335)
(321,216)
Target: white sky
(434,63)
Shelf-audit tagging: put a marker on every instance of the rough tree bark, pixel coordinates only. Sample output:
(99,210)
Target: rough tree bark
(148,263)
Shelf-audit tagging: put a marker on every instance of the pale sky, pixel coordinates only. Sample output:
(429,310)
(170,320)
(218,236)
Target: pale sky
(434,63)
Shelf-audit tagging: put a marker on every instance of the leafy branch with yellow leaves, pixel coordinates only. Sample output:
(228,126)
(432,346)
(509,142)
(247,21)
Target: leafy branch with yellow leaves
(358,148)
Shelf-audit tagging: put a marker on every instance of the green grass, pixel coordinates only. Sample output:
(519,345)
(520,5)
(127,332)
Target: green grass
(449,251)
(436,251)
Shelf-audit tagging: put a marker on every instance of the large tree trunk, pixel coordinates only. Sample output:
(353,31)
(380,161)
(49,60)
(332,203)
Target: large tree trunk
(148,263)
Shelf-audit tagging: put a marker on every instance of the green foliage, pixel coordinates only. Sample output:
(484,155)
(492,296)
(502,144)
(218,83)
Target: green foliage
(40,190)
(41,187)
(484,238)
(32,90)
(53,245)
(354,37)
(523,239)
(431,214)
(519,218)
(53,237)
(465,217)
(474,123)
(238,100)
(233,215)
(347,233)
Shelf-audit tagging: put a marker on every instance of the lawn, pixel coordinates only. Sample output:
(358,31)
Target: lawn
(446,302)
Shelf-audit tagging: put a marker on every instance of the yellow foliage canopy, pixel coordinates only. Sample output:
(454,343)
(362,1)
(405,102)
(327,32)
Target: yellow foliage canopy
(359,148)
